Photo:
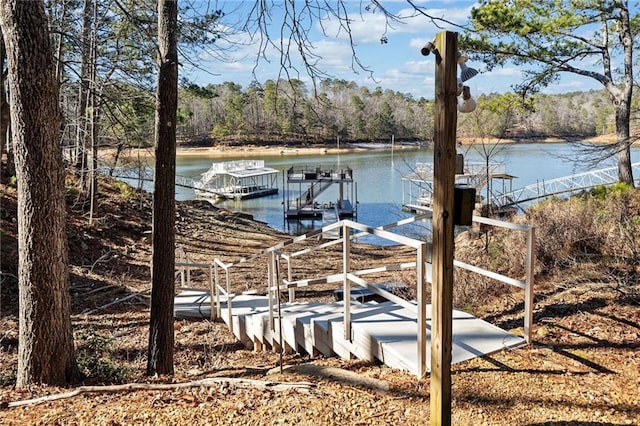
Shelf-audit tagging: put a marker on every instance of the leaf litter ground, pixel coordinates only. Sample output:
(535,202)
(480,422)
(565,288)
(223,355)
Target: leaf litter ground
(582,368)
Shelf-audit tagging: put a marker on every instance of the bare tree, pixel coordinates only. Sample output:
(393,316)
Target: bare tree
(45,344)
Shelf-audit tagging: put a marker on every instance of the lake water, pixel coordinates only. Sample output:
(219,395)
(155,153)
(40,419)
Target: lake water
(378,176)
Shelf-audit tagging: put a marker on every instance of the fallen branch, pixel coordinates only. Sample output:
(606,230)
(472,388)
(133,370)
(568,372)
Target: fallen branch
(106,287)
(115,302)
(130,387)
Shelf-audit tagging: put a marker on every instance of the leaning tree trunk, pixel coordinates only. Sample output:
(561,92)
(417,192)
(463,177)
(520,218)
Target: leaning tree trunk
(161,338)
(45,344)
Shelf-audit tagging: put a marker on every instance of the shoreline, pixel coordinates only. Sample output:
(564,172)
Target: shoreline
(273,150)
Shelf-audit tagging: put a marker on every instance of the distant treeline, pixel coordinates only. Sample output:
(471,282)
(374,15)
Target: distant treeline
(291,112)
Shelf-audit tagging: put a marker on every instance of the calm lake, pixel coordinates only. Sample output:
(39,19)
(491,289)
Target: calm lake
(378,176)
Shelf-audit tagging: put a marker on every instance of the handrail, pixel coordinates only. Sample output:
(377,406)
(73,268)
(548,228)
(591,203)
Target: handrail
(562,185)
(188,266)
(354,276)
(347,277)
(276,282)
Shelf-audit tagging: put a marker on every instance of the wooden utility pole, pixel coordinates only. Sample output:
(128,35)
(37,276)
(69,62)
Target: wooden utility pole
(444,161)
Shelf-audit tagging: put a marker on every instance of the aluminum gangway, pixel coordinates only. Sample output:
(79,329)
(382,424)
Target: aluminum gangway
(144,174)
(562,185)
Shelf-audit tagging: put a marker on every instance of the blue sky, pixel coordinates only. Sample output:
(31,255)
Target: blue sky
(396,65)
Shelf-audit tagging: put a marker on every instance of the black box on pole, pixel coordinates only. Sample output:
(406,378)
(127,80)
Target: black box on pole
(464,200)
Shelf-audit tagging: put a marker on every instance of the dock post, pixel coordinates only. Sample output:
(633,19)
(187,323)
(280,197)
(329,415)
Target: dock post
(346,298)
(212,313)
(421,286)
(270,273)
(528,295)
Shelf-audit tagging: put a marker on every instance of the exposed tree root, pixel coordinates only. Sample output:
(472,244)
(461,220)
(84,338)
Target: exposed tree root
(129,387)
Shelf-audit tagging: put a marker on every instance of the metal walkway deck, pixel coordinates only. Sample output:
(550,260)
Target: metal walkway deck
(385,332)
(395,332)
(563,185)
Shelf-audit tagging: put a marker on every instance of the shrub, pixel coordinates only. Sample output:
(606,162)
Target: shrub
(567,230)
(96,358)
(125,189)
(603,224)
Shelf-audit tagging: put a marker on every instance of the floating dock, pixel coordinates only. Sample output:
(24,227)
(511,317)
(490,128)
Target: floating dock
(237,180)
(385,332)
(309,183)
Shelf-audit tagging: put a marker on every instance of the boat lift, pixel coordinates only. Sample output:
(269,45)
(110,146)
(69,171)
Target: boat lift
(309,183)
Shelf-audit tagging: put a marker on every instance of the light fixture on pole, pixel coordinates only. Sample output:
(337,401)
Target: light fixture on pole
(429,47)
(466,73)
(468,104)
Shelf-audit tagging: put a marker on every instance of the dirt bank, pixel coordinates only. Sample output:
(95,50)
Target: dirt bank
(582,368)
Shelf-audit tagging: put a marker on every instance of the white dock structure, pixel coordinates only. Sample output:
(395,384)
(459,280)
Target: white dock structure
(310,183)
(417,186)
(395,332)
(239,180)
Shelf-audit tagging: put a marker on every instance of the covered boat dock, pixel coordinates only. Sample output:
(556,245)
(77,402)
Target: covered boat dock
(238,180)
(309,183)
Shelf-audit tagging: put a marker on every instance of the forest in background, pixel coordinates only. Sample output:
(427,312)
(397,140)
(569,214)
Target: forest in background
(105,66)
(290,112)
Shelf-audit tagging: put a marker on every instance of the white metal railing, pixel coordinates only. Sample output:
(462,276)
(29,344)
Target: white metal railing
(185,266)
(348,276)
(563,185)
(232,166)
(527,283)
(470,168)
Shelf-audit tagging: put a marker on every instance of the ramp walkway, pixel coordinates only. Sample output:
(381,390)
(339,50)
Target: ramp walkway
(563,185)
(395,332)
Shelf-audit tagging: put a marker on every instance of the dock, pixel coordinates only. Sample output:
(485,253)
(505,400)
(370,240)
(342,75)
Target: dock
(371,317)
(417,186)
(309,183)
(380,332)
(237,180)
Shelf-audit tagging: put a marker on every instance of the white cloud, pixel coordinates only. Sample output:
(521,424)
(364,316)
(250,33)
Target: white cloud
(502,72)
(367,27)
(397,65)
(335,55)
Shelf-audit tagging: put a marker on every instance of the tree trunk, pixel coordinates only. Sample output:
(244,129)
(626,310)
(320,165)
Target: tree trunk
(45,344)
(5,116)
(623,142)
(161,338)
